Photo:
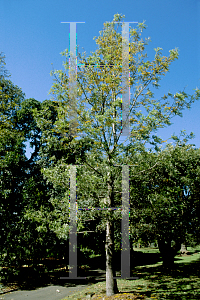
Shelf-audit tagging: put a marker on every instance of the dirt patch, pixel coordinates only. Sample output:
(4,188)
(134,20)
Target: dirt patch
(124,296)
(185,254)
(8,288)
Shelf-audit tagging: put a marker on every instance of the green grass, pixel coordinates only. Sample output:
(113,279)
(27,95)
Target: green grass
(182,283)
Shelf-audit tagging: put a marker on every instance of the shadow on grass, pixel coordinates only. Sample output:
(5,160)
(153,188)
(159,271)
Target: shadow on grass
(33,277)
(49,273)
(155,282)
(138,258)
(181,283)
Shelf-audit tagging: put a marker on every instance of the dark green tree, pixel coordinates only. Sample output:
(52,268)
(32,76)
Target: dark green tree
(50,147)
(164,198)
(12,170)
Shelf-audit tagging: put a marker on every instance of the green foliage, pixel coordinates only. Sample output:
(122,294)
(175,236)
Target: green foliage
(21,183)
(159,180)
(12,168)
(164,194)
(98,109)
(3,71)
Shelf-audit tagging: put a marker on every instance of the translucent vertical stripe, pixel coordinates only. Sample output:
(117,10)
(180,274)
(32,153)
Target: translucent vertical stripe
(125,254)
(125,79)
(72,82)
(73,120)
(72,225)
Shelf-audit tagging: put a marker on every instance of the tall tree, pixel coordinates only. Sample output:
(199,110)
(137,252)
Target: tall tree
(35,191)
(99,94)
(21,182)
(12,168)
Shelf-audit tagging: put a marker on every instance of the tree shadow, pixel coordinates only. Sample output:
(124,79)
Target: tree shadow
(48,272)
(171,284)
(138,258)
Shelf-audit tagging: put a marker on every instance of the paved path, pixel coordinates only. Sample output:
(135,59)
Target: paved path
(46,293)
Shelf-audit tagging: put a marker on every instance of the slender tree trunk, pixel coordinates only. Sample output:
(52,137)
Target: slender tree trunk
(111,283)
(184,249)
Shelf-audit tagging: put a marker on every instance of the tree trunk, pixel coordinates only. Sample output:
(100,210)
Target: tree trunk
(184,249)
(111,283)
(168,253)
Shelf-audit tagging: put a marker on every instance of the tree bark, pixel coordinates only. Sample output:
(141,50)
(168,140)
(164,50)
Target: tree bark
(111,283)
(184,249)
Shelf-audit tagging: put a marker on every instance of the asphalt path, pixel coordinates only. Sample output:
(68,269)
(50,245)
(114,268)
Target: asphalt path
(54,292)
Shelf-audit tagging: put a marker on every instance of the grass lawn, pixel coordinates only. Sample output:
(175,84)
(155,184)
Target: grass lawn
(181,283)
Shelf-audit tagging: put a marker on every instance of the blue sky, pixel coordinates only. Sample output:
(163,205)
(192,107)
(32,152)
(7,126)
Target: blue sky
(32,37)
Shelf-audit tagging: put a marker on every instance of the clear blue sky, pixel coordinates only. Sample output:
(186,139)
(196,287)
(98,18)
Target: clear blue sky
(32,37)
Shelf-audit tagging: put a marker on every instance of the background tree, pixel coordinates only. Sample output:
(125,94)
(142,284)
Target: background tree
(35,191)
(99,117)
(39,193)
(12,169)
(21,181)
(162,197)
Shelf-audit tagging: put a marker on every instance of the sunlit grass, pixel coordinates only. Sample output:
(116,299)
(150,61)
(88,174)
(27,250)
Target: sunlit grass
(182,283)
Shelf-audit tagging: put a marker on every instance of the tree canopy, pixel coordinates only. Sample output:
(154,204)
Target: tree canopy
(98,108)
